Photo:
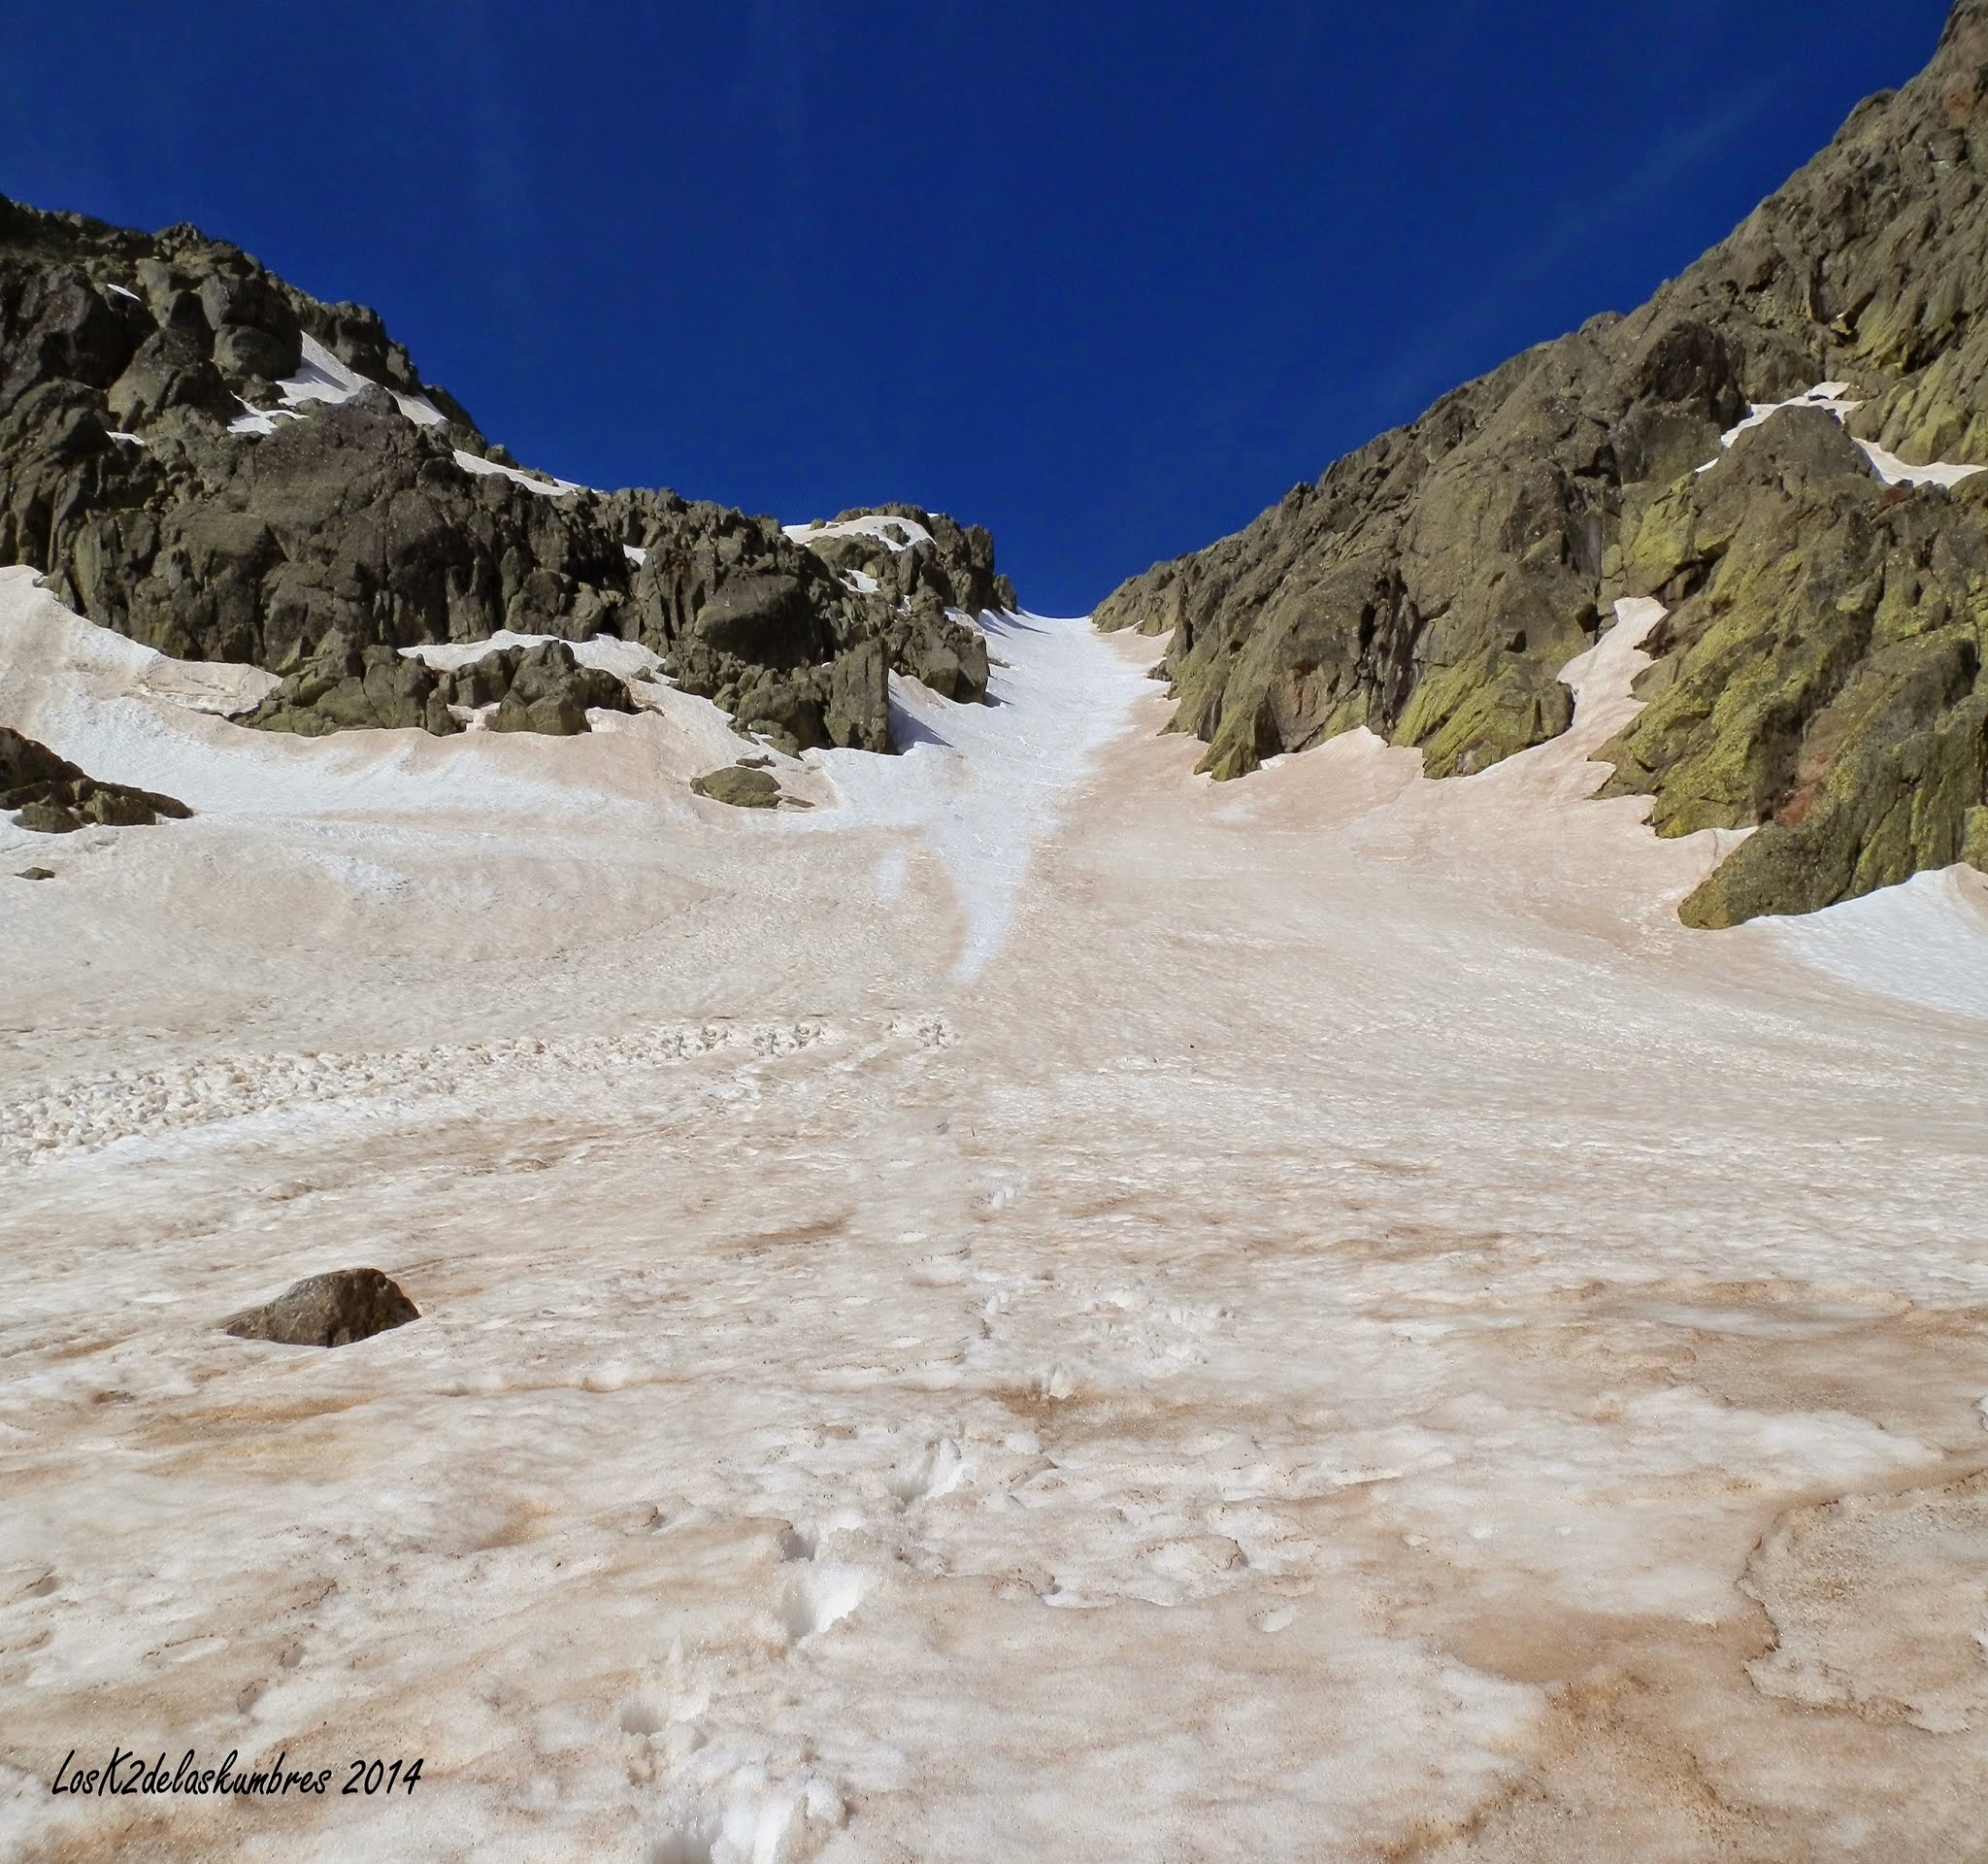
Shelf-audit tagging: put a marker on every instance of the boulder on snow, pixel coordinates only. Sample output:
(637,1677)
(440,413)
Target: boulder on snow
(741,788)
(331,1310)
(54,797)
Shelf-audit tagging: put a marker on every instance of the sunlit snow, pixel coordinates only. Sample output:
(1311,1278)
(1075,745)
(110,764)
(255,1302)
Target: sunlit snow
(1041,1307)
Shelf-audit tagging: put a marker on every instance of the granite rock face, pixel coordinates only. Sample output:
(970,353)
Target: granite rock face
(53,797)
(165,485)
(1820,674)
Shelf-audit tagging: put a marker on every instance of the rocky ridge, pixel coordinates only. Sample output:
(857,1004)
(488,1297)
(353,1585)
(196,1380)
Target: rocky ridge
(1819,676)
(197,455)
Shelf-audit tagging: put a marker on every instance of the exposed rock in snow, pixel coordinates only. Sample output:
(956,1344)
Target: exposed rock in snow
(739,785)
(332,1310)
(52,796)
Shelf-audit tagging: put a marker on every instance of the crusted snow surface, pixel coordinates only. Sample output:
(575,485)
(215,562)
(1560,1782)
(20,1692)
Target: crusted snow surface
(1888,466)
(1347,1334)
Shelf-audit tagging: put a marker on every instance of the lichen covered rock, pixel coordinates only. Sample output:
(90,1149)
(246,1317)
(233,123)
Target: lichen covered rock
(1819,679)
(740,785)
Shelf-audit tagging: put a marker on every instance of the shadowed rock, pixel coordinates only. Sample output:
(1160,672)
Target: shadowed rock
(331,1310)
(342,687)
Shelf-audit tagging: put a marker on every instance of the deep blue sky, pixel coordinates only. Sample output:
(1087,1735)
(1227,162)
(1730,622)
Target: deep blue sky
(1105,277)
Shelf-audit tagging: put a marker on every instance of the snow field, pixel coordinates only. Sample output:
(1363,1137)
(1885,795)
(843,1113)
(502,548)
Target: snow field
(1304,1318)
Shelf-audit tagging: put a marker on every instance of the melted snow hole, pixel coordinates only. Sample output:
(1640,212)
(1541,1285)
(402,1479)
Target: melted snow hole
(936,1472)
(822,1596)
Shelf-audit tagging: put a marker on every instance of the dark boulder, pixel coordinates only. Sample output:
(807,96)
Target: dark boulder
(54,797)
(172,369)
(242,351)
(333,1310)
(764,620)
(858,711)
(739,785)
(62,327)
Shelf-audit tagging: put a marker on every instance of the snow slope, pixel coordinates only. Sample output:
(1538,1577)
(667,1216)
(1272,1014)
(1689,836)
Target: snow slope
(1924,942)
(979,784)
(1300,1319)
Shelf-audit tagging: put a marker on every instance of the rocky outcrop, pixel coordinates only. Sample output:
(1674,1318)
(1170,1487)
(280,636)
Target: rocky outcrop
(542,687)
(327,1310)
(923,553)
(1819,675)
(1823,656)
(53,797)
(173,475)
